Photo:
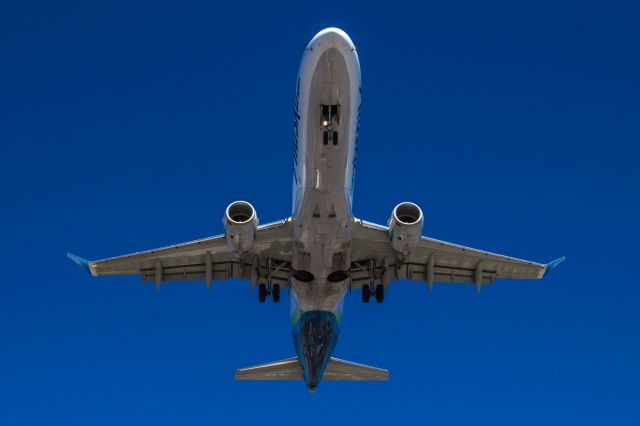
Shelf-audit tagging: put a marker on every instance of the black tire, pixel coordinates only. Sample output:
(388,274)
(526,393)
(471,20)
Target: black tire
(275,293)
(335,138)
(262,293)
(366,293)
(379,293)
(325,138)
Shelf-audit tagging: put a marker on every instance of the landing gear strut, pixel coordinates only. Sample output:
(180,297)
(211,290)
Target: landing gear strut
(271,290)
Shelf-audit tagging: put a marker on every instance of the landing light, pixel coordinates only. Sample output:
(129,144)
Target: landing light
(325,122)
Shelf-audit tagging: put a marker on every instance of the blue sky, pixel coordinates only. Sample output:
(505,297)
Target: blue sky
(131,125)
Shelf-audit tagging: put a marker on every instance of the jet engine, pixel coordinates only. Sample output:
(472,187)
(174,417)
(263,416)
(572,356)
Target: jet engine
(240,222)
(405,227)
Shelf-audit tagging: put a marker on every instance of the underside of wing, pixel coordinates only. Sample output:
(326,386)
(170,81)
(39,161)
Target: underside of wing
(432,261)
(208,259)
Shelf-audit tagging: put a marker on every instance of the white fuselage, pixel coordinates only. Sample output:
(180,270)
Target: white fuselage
(326,118)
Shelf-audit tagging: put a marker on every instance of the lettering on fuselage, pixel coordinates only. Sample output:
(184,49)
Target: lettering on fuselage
(355,148)
(296,120)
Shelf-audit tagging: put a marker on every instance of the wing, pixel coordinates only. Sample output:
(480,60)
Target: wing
(207,259)
(375,261)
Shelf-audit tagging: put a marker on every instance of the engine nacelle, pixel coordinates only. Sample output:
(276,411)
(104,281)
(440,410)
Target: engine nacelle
(240,222)
(405,227)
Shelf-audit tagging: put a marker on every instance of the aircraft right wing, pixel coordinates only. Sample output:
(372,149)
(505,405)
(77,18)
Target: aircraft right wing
(374,260)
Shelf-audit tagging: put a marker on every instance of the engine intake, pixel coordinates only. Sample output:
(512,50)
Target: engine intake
(240,223)
(405,227)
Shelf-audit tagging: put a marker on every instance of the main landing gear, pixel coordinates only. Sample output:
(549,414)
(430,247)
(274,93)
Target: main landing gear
(367,292)
(271,290)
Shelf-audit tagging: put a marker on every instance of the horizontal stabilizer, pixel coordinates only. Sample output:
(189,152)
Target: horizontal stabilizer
(290,369)
(338,369)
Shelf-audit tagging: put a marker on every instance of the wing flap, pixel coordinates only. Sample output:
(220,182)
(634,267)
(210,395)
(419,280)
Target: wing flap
(208,259)
(450,263)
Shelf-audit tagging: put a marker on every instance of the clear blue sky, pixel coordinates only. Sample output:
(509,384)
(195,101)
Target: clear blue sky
(131,125)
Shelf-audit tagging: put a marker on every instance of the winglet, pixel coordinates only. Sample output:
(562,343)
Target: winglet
(79,261)
(553,265)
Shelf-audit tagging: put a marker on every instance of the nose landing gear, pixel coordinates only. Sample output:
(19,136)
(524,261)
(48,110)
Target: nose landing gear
(329,117)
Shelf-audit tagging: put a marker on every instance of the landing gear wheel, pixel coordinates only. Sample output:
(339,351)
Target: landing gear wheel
(366,293)
(262,293)
(275,293)
(379,293)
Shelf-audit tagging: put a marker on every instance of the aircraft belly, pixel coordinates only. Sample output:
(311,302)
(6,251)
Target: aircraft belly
(323,217)
(319,296)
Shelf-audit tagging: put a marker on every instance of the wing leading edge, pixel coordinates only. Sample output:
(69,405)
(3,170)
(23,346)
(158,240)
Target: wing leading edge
(433,261)
(208,259)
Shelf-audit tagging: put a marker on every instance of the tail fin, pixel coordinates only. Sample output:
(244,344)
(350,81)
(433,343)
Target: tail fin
(290,369)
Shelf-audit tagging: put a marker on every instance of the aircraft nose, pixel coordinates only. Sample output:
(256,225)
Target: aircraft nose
(331,37)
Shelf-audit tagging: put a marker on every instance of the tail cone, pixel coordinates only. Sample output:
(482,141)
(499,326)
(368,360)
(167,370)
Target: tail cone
(315,340)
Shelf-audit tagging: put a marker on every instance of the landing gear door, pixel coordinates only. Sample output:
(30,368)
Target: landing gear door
(330,93)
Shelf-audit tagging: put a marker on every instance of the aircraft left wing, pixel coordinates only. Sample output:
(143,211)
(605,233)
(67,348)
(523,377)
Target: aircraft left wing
(375,262)
(208,259)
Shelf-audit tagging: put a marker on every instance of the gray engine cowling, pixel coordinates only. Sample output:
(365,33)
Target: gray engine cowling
(240,223)
(405,227)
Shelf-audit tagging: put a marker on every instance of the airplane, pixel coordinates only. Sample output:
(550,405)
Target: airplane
(321,251)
